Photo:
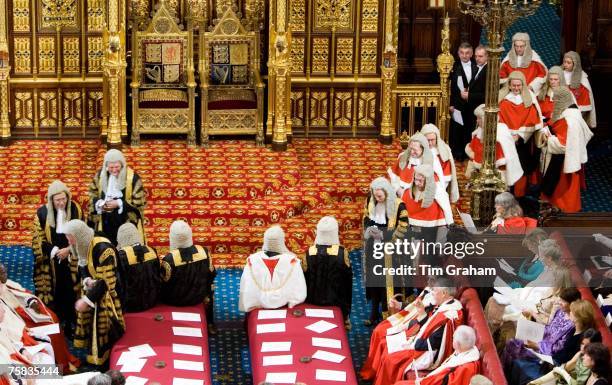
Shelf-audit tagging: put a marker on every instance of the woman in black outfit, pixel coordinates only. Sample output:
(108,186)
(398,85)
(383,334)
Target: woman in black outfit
(597,357)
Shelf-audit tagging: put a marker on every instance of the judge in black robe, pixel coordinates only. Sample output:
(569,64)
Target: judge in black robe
(327,269)
(55,268)
(139,270)
(187,271)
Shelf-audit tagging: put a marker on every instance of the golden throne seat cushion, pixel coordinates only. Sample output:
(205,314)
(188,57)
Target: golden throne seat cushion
(163,98)
(230,99)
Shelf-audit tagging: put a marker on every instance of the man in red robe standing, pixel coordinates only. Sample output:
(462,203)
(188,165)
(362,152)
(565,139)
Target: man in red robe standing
(524,59)
(433,342)
(564,154)
(578,82)
(402,173)
(459,367)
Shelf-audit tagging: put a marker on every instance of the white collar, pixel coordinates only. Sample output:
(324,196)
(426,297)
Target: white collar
(515,99)
(415,161)
(60,220)
(457,359)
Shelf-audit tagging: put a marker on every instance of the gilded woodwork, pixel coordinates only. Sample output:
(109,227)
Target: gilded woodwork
(319,109)
(46,54)
(333,14)
(94,108)
(96,13)
(297,108)
(95,53)
(47,109)
(59,13)
(343,108)
(369,53)
(298,15)
(21,15)
(71,55)
(418,98)
(344,55)
(297,55)
(24,109)
(366,116)
(369,16)
(22,55)
(72,109)
(320,54)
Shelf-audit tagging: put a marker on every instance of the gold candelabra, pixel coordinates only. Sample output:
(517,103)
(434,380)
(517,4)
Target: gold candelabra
(495,16)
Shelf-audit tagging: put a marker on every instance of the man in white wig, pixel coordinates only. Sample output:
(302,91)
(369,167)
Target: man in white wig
(443,162)
(578,82)
(187,271)
(272,277)
(524,59)
(506,158)
(402,173)
(116,196)
(564,154)
(327,269)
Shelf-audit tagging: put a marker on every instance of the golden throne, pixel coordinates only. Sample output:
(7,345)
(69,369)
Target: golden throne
(232,91)
(163,83)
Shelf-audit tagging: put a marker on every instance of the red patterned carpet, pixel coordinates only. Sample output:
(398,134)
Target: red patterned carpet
(229,193)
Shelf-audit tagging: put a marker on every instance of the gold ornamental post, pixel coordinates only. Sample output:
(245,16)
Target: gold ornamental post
(445,63)
(5,70)
(495,16)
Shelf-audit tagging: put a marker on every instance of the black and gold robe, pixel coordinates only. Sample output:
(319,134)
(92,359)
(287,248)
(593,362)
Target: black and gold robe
(141,276)
(133,201)
(100,327)
(188,275)
(55,281)
(329,277)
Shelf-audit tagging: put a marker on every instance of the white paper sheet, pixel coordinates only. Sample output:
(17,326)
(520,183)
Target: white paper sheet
(34,349)
(503,288)
(184,316)
(609,319)
(505,266)
(331,375)
(189,365)
(396,342)
(272,314)
(193,350)
(142,351)
(271,328)
(186,332)
(328,356)
(286,359)
(466,218)
(587,276)
(134,365)
(457,116)
(326,343)
(186,381)
(528,330)
(607,259)
(321,326)
(134,380)
(127,356)
(46,330)
(320,313)
(267,347)
(280,378)
(544,357)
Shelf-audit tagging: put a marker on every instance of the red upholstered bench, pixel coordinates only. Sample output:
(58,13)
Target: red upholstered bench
(569,261)
(301,346)
(154,327)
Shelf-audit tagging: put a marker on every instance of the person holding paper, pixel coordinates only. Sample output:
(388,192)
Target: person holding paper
(402,173)
(531,267)
(404,319)
(524,59)
(560,342)
(140,270)
(385,219)
(116,196)
(573,372)
(459,367)
(188,272)
(462,76)
(272,277)
(443,162)
(100,320)
(509,218)
(506,158)
(55,268)
(432,343)
(35,313)
(327,270)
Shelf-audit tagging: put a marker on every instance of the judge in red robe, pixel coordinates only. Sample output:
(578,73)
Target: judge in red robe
(524,59)
(432,344)
(509,217)
(443,162)
(459,367)
(402,172)
(506,158)
(404,321)
(564,154)
(519,110)
(578,82)
(554,80)
(426,200)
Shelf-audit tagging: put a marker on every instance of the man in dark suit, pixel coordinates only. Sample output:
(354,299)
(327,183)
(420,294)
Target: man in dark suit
(476,93)
(462,122)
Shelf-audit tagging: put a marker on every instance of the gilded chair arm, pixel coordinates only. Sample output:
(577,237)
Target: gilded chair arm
(257,79)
